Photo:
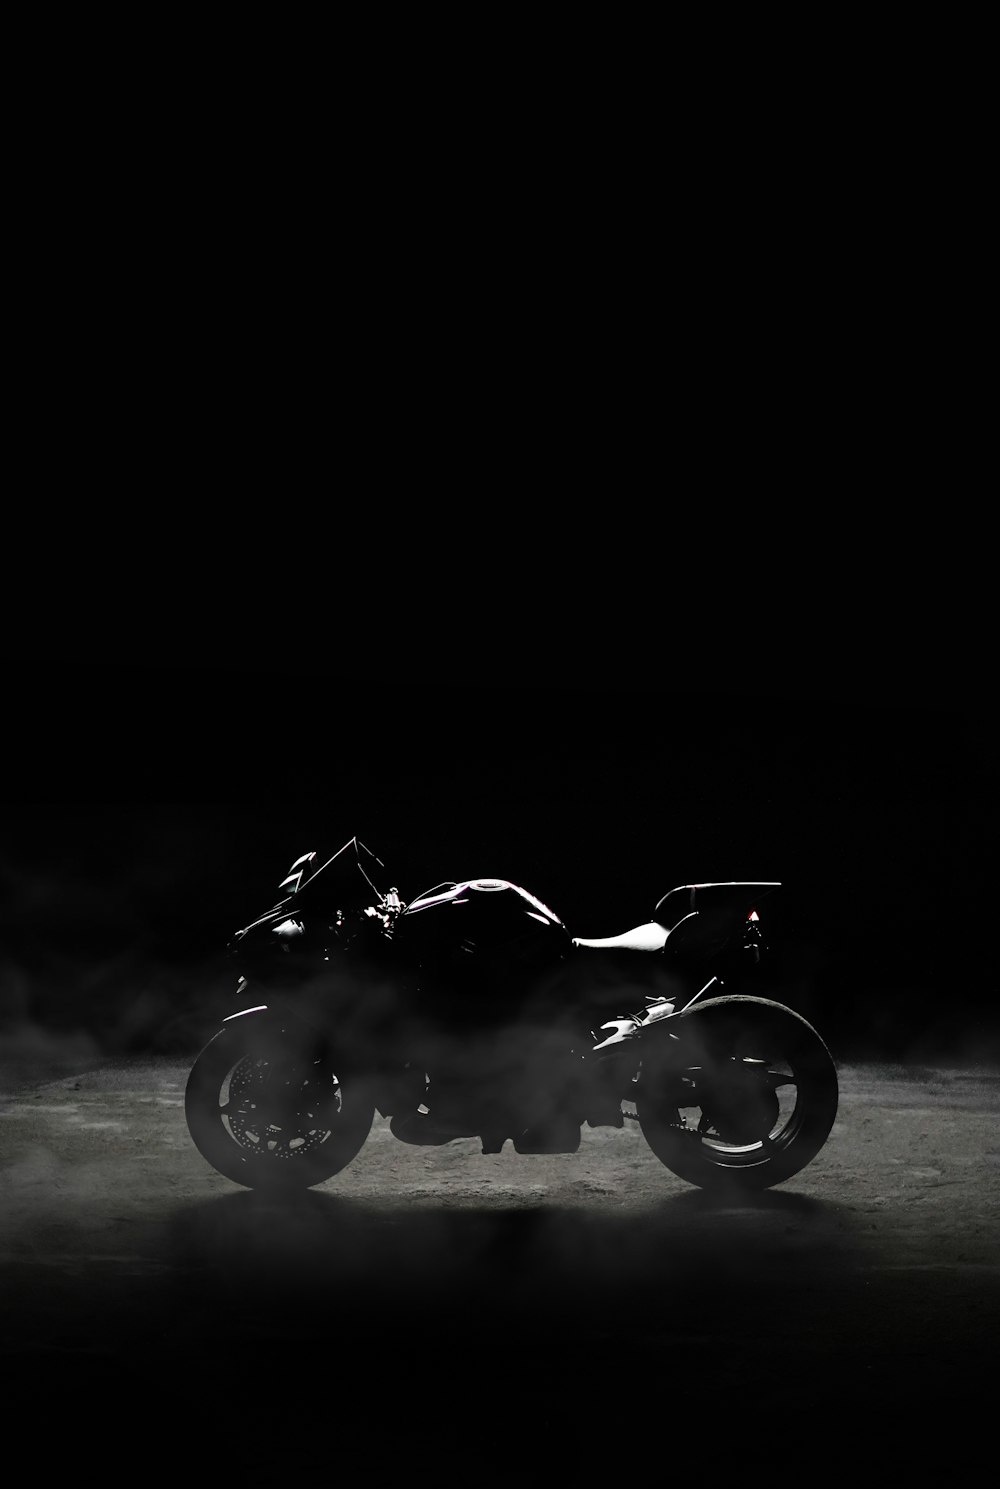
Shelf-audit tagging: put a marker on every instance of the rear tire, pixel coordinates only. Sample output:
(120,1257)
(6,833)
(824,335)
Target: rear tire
(742,1097)
(270,1108)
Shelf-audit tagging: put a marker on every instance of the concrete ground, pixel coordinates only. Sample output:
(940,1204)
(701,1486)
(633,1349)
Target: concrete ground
(436,1315)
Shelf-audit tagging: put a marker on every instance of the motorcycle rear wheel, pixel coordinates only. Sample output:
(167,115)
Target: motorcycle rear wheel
(743,1097)
(269,1109)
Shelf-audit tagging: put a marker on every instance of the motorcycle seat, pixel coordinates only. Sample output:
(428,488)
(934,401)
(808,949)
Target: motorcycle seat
(648,937)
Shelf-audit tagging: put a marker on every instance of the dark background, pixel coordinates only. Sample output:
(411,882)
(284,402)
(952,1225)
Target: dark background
(601,507)
(163,779)
(537,500)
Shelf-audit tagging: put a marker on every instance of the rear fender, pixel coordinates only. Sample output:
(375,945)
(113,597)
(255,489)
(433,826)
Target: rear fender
(697,1034)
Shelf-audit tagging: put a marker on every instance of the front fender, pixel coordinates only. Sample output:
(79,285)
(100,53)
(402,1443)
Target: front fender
(267,1024)
(263,1027)
(246,1012)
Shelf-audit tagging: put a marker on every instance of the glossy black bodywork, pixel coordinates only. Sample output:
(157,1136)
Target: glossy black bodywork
(471,1011)
(410,985)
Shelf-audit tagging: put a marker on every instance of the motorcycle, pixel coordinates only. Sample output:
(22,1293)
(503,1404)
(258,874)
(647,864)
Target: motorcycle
(470,1011)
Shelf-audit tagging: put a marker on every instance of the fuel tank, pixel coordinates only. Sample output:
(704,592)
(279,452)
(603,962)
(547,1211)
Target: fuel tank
(482,939)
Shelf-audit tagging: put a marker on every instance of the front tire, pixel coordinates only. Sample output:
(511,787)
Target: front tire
(743,1095)
(269,1107)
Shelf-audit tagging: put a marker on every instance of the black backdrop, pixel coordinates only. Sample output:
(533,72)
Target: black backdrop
(155,800)
(481,555)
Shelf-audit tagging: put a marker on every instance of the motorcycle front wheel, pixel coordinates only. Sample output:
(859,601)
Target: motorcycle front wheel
(270,1108)
(741,1095)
